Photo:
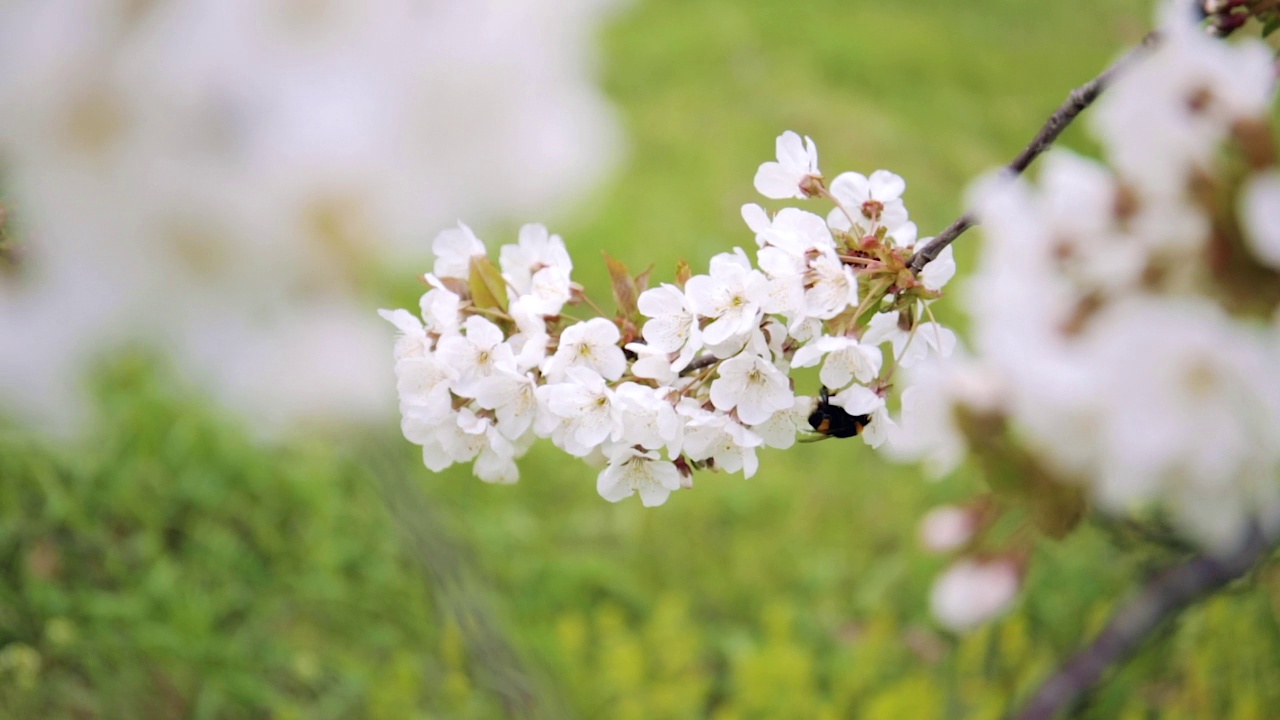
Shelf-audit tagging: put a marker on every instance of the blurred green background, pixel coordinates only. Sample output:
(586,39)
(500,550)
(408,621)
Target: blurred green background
(170,567)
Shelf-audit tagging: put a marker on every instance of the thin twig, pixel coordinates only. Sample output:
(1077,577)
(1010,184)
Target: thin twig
(1079,99)
(1163,598)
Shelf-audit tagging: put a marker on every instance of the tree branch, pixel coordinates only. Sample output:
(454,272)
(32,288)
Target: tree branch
(1079,99)
(1162,598)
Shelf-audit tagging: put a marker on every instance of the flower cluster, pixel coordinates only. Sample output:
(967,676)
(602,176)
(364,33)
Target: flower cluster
(687,375)
(1125,315)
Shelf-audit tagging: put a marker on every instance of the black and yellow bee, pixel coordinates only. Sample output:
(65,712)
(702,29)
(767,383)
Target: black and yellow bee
(832,421)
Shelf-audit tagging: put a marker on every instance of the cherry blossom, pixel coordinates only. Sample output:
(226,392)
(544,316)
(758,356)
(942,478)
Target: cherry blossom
(874,202)
(751,386)
(632,471)
(591,344)
(788,177)
(972,592)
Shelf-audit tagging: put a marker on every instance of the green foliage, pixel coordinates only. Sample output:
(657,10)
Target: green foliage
(173,568)
(170,568)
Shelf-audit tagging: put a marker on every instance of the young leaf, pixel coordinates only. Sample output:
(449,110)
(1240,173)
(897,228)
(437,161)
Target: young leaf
(642,280)
(624,287)
(683,273)
(488,289)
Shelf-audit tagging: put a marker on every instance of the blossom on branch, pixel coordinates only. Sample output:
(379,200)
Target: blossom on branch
(691,376)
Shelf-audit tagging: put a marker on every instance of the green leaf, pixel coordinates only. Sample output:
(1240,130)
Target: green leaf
(488,289)
(1271,26)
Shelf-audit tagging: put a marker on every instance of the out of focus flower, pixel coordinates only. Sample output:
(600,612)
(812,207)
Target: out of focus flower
(1260,215)
(972,592)
(946,528)
(208,177)
(1165,118)
(1115,345)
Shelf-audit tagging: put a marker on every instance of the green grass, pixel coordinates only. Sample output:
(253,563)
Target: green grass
(170,567)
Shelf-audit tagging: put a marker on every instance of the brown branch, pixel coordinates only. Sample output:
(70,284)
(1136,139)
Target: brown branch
(1079,99)
(1135,622)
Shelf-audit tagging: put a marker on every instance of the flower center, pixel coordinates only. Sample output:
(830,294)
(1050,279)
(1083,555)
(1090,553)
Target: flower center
(872,209)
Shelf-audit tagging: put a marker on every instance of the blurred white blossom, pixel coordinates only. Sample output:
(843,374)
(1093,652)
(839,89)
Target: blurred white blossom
(947,528)
(971,592)
(208,176)
(1116,326)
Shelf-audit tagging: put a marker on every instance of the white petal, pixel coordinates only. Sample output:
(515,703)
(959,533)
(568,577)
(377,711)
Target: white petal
(775,181)
(884,185)
(940,270)
(791,150)
(755,217)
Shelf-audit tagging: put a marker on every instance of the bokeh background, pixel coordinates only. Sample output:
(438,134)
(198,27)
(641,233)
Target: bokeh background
(170,562)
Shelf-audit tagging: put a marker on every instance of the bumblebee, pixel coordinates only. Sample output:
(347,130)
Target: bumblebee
(832,421)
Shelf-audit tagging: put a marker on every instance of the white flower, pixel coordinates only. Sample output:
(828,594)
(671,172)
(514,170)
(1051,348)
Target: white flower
(1187,411)
(1260,216)
(786,273)
(632,471)
(466,436)
(530,343)
(538,268)
(732,296)
(591,344)
(479,354)
(454,249)
(649,420)
(972,592)
(1166,116)
(752,386)
(904,236)
(874,202)
(797,232)
(672,326)
(779,431)
(786,178)
(423,385)
(946,528)
(846,359)
(651,364)
(536,250)
(858,400)
(511,396)
(441,310)
(935,391)
(412,340)
(717,437)
(831,286)
(494,454)
(909,346)
(580,413)
(549,290)
(939,271)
